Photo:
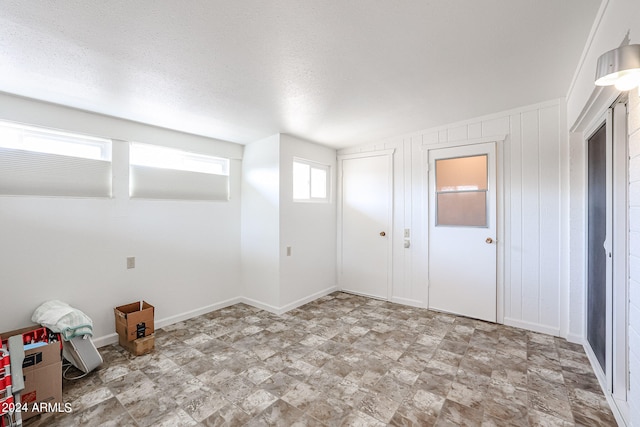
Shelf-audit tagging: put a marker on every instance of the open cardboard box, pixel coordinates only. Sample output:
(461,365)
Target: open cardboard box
(134,320)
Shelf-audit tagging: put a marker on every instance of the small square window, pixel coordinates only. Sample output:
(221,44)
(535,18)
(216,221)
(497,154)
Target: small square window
(310,181)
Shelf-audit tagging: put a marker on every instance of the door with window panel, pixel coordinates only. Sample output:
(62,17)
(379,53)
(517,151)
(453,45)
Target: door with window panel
(462,231)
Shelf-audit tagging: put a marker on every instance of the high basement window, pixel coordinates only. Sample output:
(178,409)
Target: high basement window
(46,162)
(158,172)
(310,181)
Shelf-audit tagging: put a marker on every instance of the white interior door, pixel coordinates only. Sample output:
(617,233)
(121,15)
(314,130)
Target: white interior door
(462,230)
(366,224)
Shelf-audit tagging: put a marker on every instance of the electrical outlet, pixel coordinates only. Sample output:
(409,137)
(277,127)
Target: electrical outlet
(131,262)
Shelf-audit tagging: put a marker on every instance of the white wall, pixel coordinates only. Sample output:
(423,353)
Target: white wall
(261,221)
(634,259)
(616,19)
(271,221)
(532,156)
(75,249)
(308,228)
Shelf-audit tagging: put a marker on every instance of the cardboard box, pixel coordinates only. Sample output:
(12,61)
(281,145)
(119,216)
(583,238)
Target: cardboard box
(42,386)
(42,372)
(139,346)
(134,320)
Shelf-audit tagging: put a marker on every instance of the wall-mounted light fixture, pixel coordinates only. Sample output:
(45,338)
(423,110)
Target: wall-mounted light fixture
(619,67)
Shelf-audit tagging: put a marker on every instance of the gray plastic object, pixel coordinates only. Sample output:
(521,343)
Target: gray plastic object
(16,352)
(82,353)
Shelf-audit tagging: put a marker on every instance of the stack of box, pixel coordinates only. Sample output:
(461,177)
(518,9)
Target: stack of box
(134,325)
(41,370)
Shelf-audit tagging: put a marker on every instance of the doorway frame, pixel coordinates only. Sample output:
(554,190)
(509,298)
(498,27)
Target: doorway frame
(389,153)
(599,114)
(501,151)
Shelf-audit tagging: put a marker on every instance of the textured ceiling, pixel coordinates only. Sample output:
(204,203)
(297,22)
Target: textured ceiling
(333,71)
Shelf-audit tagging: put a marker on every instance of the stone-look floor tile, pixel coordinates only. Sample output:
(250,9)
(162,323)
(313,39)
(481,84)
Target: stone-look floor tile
(228,416)
(107,410)
(455,414)
(279,413)
(467,396)
(329,410)
(257,402)
(489,421)
(409,416)
(505,410)
(339,360)
(359,419)
(301,396)
(237,389)
(541,419)
(177,418)
(279,384)
(379,407)
(149,409)
(91,398)
(559,408)
(204,405)
(389,386)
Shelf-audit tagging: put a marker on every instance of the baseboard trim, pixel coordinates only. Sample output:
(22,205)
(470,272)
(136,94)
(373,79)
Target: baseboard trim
(288,307)
(535,327)
(194,313)
(576,339)
(308,299)
(613,404)
(161,323)
(407,301)
(261,305)
(105,340)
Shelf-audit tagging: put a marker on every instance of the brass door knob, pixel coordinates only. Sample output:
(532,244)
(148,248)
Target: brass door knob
(489,240)
(382,233)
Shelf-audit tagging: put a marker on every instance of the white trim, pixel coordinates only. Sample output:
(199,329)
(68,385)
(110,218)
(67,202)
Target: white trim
(599,102)
(497,143)
(602,381)
(362,294)
(194,313)
(302,301)
(410,302)
(261,305)
(293,305)
(113,338)
(530,326)
(461,142)
(475,120)
(576,339)
(105,340)
(361,155)
(587,46)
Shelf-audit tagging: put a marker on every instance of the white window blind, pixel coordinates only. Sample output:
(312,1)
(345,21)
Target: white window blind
(166,173)
(44,162)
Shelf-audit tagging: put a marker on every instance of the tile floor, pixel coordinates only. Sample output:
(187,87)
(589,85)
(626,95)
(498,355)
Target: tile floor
(340,360)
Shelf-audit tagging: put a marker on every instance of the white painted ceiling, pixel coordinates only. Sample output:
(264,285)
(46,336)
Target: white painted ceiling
(337,72)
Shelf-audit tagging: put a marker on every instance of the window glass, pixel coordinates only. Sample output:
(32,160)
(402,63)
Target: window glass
(42,140)
(318,183)
(170,158)
(310,181)
(461,189)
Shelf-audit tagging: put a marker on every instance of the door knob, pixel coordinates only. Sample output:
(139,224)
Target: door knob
(489,240)
(382,233)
